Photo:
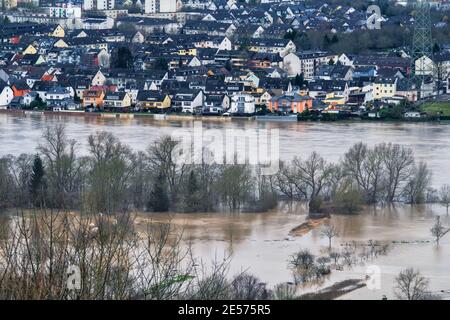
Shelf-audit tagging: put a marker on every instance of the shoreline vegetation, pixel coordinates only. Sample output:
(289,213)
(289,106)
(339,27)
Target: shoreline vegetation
(114,260)
(113,178)
(435,112)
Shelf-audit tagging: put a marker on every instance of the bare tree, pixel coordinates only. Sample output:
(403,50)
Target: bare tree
(365,167)
(438,230)
(417,184)
(285,291)
(444,196)
(162,158)
(110,170)
(329,232)
(61,163)
(248,287)
(235,185)
(335,255)
(397,162)
(411,285)
(287,183)
(315,173)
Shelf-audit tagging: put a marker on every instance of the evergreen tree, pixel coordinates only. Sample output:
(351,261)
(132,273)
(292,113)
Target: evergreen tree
(38,103)
(228,65)
(326,42)
(192,193)
(37,183)
(335,39)
(436,48)
(159,199)
(124,58)
(299,80)
(161,64)
(76,98)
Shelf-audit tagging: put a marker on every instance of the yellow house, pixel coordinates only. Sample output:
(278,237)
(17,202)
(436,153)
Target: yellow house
(60,44)
(30,50)
(117,100)
(188,52)
(153,100)
(59,32)
(384,88)
(333,100)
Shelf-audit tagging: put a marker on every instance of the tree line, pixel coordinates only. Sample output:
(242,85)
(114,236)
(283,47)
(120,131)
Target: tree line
(112,178)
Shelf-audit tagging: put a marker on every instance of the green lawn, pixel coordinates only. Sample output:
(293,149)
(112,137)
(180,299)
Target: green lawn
(435,107)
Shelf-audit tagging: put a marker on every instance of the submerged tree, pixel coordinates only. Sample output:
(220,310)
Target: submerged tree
(235,185)
(110,170)
(193,195)
(444,196)
(62,166)
(411,285)
(417,184)
(37,182)
(438,230)
(330,232)
(159,199)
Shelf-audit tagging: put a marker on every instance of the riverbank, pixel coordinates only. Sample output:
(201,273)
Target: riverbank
(125,116)
(213,118)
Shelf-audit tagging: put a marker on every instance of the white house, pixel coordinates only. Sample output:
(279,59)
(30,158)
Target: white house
(6,94)
(98,5)
(424,66)
(157,6)
(306,62)
(242,104)
(188,102)
(29,97)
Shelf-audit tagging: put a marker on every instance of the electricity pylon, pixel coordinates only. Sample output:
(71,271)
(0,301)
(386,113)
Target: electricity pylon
(422,66)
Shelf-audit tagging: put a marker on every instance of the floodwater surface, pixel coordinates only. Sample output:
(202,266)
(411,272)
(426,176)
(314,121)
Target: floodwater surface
(429,141)
(260,243)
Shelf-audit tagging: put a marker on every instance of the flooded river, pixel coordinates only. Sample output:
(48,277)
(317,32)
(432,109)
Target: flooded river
(430,141)
(261,243)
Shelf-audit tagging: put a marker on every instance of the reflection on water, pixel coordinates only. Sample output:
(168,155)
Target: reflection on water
(260,243)
(430,141)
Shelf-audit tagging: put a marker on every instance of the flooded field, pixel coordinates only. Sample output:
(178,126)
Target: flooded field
(260,243)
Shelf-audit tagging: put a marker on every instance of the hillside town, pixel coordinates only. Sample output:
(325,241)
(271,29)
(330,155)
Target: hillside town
(219,58)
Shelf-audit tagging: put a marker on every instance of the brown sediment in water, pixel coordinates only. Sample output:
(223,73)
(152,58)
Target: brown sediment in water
(306,227)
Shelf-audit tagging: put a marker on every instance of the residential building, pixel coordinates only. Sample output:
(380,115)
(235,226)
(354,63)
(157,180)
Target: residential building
(290,103)
(153,100)
(93,98)
(6,94)
(242,104)
(98,4)
(384,88)
(117,101)
(160,6)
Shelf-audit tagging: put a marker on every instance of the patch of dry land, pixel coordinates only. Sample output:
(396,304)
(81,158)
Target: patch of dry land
(307,226)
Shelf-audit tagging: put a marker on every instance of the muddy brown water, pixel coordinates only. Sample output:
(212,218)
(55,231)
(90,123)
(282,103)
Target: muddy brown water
(430,141)
(260,242)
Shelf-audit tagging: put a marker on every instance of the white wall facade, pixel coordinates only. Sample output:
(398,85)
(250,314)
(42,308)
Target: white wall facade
(160,6)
